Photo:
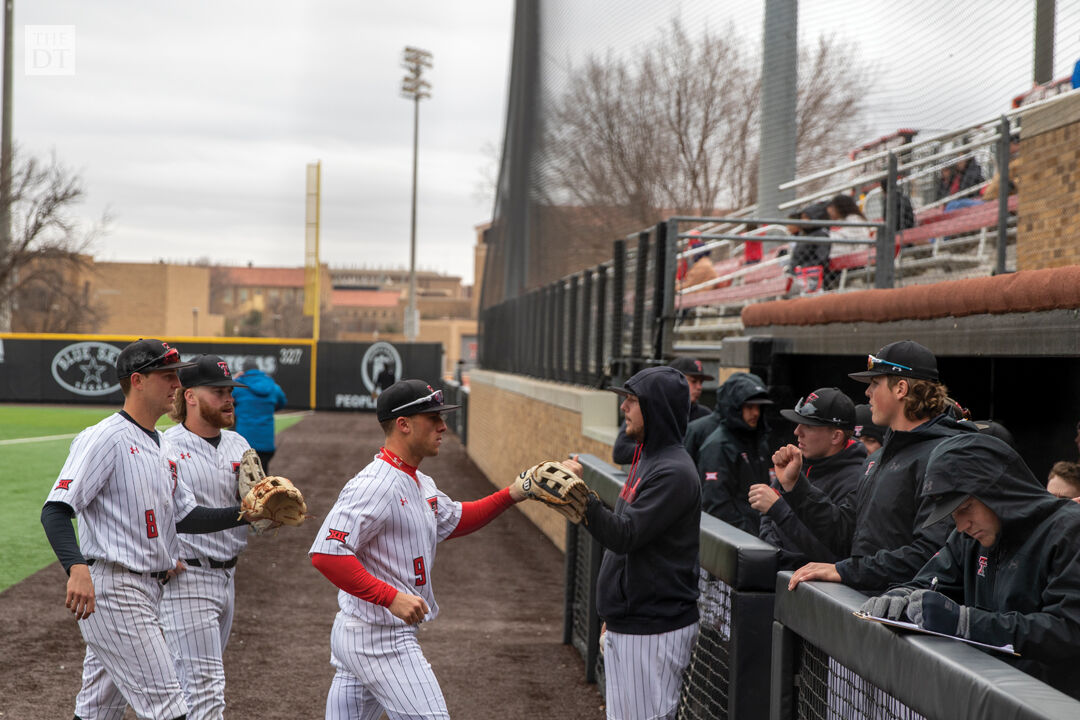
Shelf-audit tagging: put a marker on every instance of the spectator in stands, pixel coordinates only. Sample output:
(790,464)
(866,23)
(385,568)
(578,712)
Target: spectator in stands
(845,209)
(736,454)
(809,260)
(824,422)
(955,179)
(623,451)
(866,432)
(1064,480)
(1010,573)
(256,400)
(884,523)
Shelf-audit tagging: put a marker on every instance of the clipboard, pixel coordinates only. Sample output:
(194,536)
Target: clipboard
(1007,649)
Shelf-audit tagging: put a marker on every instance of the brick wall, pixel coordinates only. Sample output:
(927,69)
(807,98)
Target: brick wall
(516,422)
(1047,172)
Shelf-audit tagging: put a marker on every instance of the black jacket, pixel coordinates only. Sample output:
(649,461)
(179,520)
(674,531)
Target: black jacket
(881,526)
(648,581)
(622,453)
(838,477)
(1025,590)
(698,431)
(734,456)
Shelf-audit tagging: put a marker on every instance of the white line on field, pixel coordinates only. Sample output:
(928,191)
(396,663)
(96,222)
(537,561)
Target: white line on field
(43,438)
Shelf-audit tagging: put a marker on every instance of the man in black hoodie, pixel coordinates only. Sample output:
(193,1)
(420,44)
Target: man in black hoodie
(824,421)
(736,454)
(882,528)
(647,588)
(1010,572)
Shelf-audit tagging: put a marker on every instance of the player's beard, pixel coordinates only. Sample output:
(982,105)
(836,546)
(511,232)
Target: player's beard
(215,416)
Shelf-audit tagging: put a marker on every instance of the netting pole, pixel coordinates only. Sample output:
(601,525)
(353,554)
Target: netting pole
(884,273)
(1003,194)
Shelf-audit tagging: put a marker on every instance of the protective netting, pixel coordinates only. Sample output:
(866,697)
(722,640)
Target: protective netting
(829,691)
(704,693)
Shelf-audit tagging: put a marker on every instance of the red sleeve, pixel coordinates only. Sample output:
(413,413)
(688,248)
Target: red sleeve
(350,575)
(477,514)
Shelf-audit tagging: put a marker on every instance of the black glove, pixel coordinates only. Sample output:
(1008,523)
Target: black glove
(890,606)
(933,611)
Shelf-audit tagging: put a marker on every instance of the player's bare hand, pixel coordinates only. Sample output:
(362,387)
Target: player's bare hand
(762,497)
(814,571)
(80,592)
(787,462)
(409,608)
(180,567)
(573,465)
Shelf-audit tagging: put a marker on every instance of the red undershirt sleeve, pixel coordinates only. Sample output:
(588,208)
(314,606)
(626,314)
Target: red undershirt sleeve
(350,575)
(478,513)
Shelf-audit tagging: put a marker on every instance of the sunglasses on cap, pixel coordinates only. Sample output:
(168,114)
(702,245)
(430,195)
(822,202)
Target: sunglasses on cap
(169,357)
(807,409)
(873,363)
(435,397)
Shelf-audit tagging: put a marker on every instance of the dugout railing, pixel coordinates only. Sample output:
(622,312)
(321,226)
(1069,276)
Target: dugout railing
(728,675)
(454,393)
(827,663)
(766,652)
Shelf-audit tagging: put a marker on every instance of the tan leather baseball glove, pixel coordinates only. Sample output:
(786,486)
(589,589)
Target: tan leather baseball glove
(558,488)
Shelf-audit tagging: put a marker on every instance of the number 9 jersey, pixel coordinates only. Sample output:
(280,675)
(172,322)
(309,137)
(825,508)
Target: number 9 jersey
(391,517)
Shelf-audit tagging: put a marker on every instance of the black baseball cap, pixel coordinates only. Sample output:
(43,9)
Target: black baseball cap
(410,397)
(146,356)
(905,358)
(208,371)
(691,367)
(824,406)
(943,506)
(864,424)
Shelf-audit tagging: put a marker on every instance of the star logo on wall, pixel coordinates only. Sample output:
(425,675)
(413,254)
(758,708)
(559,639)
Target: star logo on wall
(92,371)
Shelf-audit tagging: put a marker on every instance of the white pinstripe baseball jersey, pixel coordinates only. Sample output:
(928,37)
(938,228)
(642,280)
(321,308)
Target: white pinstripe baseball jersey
(392,524)
(210,473)
(126,495)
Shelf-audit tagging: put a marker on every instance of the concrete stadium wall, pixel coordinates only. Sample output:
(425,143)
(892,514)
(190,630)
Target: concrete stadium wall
(516,422)
(1048,171)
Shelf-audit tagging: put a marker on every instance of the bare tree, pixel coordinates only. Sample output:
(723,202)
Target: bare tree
(675,127)
(43,277)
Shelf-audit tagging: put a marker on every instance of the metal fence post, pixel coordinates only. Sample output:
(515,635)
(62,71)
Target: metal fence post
(601,315)
(660,281)
(782,677)
(560,331)
(573,350)
(584,344)
(884,274)
(547,320)
(641,278)
(1003,194)
(618,300)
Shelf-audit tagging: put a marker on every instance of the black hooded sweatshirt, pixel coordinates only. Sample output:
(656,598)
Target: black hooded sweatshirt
(838,477)
(881,526)
(648,581)
(734,456)
(1025,589)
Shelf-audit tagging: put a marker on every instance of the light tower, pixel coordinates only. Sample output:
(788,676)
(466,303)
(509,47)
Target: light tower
(414,87)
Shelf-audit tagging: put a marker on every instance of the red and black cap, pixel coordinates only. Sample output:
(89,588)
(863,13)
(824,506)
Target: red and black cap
(691,367)
(146,356)
(905,358)
(410,397)
(824,406)
(208,371)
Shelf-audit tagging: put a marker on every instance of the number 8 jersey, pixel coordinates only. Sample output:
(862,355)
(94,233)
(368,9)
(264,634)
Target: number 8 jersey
(126,495)
(392,521)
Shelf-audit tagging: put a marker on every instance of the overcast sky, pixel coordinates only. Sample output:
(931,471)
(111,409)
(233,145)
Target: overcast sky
(192,122)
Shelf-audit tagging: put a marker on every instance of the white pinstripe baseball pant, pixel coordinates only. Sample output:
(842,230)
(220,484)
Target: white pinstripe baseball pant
(380,668)
(643,673)
(197,615)
(127,661)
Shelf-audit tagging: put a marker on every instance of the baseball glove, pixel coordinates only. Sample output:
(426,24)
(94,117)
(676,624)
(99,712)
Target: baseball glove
(558,488)
(274,499)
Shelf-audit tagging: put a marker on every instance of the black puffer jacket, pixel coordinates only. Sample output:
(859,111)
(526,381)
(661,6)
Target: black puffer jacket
(734,456)
(838,477)
(1025,589)
(882,524)
(648,581)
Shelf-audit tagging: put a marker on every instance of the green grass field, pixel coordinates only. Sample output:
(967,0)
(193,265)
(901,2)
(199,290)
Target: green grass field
(28,470)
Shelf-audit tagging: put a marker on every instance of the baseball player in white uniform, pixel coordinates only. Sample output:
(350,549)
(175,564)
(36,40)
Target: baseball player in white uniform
(377,545)
(197,609)
(130,505)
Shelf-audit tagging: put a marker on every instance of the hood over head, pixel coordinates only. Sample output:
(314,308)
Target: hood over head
(736,391)
(664,397)
(988,469)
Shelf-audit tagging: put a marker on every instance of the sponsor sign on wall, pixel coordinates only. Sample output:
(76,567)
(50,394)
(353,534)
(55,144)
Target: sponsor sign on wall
(349,374)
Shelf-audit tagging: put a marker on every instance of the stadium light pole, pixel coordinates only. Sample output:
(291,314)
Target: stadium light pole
(414,87)
(5,164)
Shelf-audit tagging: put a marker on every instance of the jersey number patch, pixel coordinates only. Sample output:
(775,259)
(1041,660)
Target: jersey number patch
(151,524)
(420,570)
